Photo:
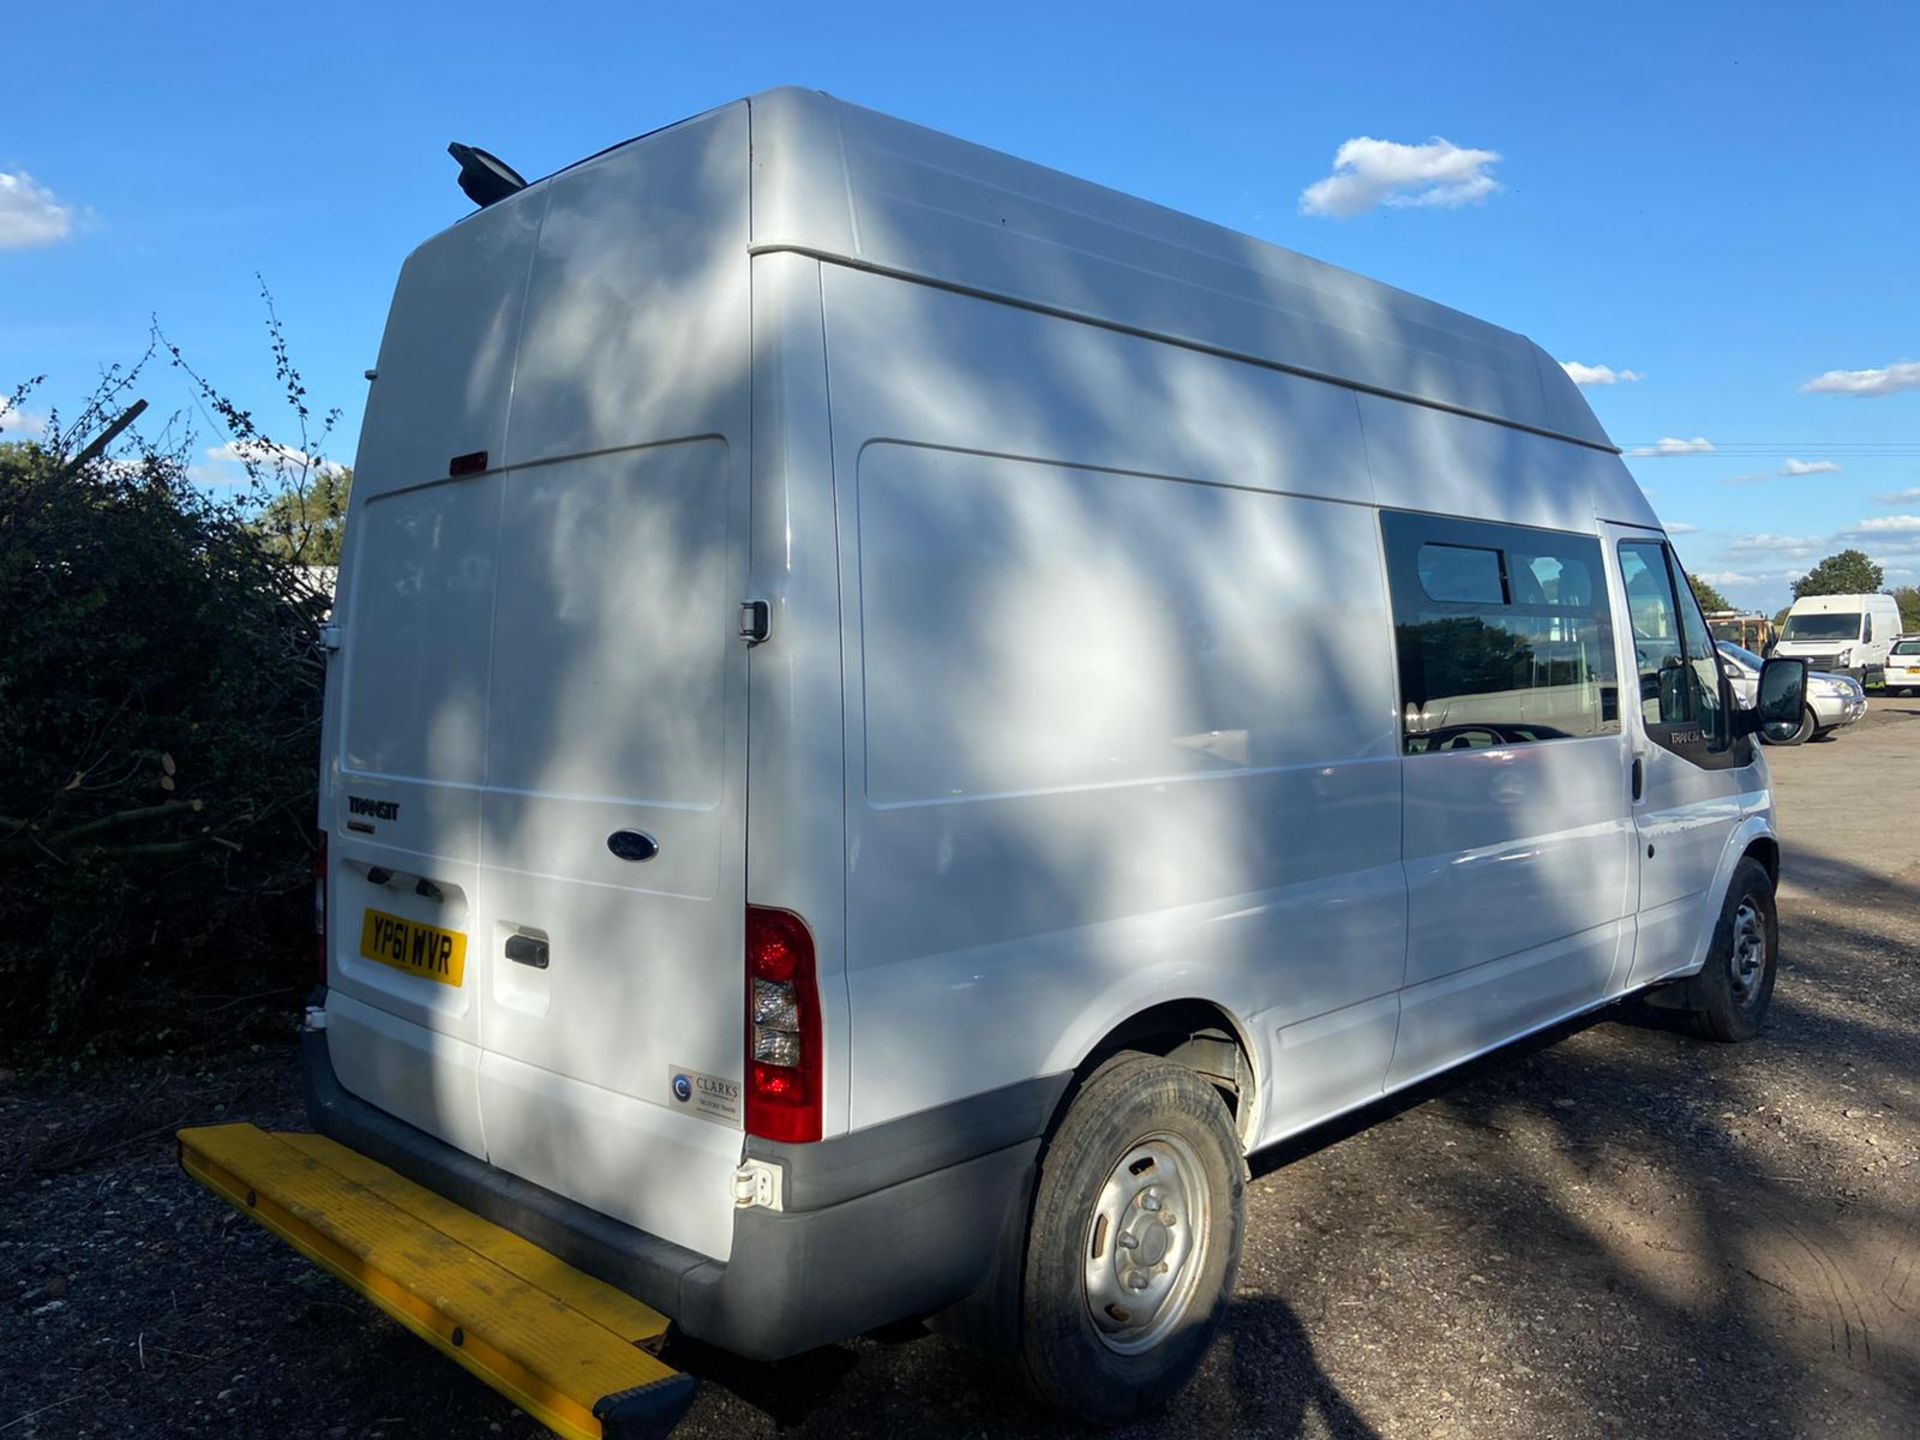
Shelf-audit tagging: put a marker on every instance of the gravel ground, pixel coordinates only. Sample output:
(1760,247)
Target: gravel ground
(1612,1231)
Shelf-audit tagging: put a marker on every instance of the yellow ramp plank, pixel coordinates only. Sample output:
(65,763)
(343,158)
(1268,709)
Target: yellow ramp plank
(558,1363)
(598,1301)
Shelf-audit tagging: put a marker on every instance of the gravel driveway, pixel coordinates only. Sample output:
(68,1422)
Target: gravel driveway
(1612,1231)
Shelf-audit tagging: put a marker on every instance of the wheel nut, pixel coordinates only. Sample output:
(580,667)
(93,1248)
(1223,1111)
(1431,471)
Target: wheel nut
(1128,1241)
(1149,1201)
(1135,1280)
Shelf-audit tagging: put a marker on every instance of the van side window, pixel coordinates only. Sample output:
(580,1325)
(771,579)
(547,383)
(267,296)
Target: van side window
(1502,634)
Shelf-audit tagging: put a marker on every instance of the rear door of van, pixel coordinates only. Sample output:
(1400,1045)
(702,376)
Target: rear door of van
(574,692)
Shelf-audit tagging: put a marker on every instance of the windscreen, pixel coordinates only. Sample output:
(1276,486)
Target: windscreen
(1844,626)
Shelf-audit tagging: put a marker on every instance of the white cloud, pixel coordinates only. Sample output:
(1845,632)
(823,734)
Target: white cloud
(1880,527)
(1598,374)
(1681,528)
(1902,497)
(240,452)
(1887,380)
(1752,477)
(1785,546)
(17,424)
(1809,467)
(1717,578)
(29,214)
(1369,172)
(1671,445)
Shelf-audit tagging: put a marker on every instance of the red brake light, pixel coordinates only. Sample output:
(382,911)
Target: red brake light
(783,1028)
(320,905)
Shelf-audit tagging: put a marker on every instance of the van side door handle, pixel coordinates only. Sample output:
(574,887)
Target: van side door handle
(1639,777)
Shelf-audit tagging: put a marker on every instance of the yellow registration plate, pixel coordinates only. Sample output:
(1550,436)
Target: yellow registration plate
(439,955)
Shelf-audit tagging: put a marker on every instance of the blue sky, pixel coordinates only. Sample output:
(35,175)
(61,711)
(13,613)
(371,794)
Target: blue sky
(1719,198)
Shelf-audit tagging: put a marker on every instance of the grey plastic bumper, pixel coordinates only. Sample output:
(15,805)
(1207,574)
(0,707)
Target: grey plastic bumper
(890,1223)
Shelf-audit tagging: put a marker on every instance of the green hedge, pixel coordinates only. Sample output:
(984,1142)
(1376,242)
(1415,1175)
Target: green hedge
(160,689)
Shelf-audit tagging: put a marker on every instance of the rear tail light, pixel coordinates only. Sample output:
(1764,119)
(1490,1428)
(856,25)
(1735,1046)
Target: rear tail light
(783,1028)
(320,905)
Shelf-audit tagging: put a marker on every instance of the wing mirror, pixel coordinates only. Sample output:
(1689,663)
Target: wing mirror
(1779,699)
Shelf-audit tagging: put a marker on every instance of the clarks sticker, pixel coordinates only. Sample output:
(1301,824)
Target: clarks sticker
(711,1097)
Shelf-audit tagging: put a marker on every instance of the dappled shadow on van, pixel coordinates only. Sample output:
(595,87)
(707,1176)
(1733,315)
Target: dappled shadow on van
(1118,726)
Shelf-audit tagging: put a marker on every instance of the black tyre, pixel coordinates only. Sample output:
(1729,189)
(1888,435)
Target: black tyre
(1800,736)
(1728,999)
(1134,1241)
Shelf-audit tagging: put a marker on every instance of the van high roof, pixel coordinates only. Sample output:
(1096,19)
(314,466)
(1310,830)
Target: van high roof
(856,187)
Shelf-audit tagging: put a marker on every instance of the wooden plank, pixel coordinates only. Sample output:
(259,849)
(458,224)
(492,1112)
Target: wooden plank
(615,1309)
(549,1358)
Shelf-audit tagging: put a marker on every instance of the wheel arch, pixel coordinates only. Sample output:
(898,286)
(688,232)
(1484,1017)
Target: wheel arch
(1201,1034)
(1765,849)
(1754,836)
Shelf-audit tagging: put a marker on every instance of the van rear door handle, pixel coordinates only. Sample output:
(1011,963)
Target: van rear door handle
(1639,777)
(527,950)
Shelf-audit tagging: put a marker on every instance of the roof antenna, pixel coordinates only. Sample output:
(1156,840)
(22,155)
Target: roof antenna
(484,178)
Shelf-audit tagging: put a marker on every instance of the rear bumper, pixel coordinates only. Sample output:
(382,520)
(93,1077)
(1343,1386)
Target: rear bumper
(899,1221)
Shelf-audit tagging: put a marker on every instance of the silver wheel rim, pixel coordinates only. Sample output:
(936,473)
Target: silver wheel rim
(1747,965)
(1146,1243)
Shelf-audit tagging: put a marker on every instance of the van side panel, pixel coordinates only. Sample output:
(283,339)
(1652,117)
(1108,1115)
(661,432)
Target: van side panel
(1427,459)
(1107,744)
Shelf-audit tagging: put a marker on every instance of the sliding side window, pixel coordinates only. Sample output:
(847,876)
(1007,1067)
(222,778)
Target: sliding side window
(1502,634)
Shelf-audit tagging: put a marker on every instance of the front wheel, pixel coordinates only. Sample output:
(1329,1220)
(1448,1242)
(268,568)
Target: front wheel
(1134,1242)
(1728,999)
(1799,737)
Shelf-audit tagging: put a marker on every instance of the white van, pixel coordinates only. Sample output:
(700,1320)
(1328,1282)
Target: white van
(1845,634)
(897,714)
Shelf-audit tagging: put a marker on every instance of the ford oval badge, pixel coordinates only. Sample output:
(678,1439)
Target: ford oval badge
(633,845)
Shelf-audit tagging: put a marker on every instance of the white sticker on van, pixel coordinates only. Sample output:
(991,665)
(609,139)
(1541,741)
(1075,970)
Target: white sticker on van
(711,1097)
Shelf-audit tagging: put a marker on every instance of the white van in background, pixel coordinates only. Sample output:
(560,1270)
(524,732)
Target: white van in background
(1844,634)
(898,713)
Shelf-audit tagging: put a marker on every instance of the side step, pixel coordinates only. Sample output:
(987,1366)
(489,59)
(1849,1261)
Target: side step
(561,1345)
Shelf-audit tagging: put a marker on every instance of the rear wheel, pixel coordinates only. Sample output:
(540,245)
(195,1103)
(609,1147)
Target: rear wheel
(1134,1242)
(1728,999)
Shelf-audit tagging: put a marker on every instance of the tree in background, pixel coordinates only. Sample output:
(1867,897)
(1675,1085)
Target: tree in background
(1908,599)
(1710,599)
(1848,573)
(298,495)
(306,526)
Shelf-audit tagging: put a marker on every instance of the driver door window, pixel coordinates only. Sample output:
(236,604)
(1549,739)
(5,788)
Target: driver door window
(1703,671)
(1682,689)
(1665,696)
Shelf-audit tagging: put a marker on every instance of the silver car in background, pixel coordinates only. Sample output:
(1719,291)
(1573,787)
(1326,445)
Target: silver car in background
(1832,700)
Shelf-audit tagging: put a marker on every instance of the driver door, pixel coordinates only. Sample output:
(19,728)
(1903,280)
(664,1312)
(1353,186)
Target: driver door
(1688,772)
